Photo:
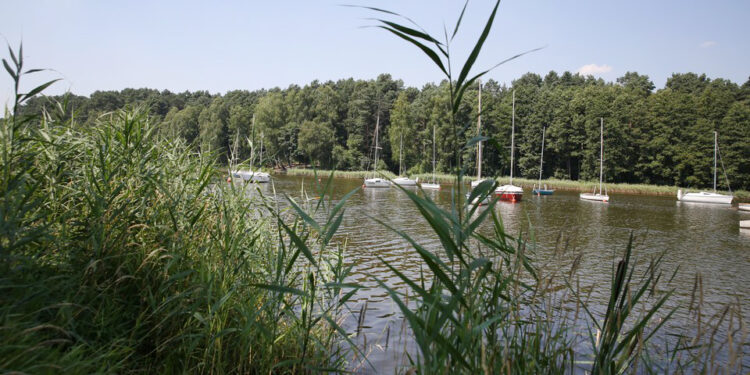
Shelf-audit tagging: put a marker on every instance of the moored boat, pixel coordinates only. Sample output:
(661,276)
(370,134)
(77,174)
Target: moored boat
(432,185)
(539,190)
(743,206)
(400,180)
(376,182)
(479,178)
(704,196)
(598,197)
(250,176)
(745,224)
(510,192)
(404,181)
(601,196)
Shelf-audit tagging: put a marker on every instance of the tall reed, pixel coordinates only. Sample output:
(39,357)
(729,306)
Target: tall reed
(121,252)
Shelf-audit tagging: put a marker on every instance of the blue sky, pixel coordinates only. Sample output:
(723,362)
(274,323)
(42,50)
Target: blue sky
(226,45)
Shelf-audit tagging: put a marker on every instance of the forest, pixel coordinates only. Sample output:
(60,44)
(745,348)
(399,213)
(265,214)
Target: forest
(659,137)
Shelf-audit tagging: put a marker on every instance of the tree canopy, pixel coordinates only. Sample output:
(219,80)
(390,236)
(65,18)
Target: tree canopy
(662,136)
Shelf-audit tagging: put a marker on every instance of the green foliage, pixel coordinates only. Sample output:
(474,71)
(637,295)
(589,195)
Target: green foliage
(317,140)
(121,252)
(655,137)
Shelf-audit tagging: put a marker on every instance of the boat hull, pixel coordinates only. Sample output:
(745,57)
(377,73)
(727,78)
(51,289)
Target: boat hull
(595,197)
(250,176)
(744,207)
(430,186)
(509,193)
(542,192)
(510,197)
(377,183)
(404,181)
(706,197)
(745,224)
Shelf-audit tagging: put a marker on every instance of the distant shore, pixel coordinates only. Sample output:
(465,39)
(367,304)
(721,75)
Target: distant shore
(567,185)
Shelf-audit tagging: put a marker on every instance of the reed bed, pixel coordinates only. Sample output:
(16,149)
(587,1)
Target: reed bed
(120,254)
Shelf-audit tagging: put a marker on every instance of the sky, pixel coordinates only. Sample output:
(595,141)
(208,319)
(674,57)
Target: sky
(228,45)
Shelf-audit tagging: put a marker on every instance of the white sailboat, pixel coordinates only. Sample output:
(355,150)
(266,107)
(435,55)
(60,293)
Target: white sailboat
(248,175)
(479,179)
(600,196)
(376,182)
(402,181)
(510,192)
(704,196)
(432,185)
(537,189)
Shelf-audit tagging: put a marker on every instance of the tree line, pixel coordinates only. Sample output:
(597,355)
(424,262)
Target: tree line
(662,137)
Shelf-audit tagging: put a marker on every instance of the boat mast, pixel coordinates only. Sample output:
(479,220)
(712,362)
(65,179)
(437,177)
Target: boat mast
(541,159)
(601,154)
(716,145)
(479,133)
(377,127)
(512,137)
(433,153)
(400,158)
(252,143)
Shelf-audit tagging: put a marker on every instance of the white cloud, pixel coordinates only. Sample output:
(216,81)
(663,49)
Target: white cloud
(708,44)
(593,69)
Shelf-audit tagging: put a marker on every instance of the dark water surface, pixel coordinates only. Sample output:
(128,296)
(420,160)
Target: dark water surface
(698,238)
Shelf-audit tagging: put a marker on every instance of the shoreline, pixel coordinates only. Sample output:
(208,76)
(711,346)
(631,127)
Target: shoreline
(566,185)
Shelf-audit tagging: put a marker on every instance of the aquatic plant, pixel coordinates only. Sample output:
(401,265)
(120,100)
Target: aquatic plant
(121,252)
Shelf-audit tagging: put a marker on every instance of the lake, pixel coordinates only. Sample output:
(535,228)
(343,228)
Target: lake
(697,238)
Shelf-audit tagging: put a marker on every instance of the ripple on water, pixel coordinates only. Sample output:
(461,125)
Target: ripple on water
(699,239)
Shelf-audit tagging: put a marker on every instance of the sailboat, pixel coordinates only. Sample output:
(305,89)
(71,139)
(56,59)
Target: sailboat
(594,196)
(376,182)
(511,192)
(703,196)
(403,181)
(432,185)
(479,144)
(537,190)
(246,175)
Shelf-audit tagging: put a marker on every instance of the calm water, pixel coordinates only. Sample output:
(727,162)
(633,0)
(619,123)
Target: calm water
(703,239)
